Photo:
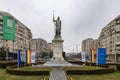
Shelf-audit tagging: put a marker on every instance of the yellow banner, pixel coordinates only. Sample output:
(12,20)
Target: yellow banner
(93,55)
(28,56)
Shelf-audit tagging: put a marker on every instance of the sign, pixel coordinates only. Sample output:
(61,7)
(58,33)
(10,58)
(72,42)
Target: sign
(8,28)
(101,55)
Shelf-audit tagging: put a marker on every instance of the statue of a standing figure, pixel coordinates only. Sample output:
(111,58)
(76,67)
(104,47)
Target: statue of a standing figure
(58,26)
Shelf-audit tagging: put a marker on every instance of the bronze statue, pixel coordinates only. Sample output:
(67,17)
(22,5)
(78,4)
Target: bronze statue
(57,26)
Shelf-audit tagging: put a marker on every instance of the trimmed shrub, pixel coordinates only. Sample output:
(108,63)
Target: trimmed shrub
(10,70)
(118,67)
(94,64)
(4,64)
(89,72)
(76,62)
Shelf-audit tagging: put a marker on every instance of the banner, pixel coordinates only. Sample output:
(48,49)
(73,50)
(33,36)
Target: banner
(90,57)
(101,55)
(33,57)
(28,57)
(93,55)
(9,29)
(83,57)
(19,59)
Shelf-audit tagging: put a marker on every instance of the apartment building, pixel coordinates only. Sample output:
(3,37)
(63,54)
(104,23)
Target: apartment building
(50,49)
(87,44)
(110,39)
(39,46)
(23,35)
(96,45)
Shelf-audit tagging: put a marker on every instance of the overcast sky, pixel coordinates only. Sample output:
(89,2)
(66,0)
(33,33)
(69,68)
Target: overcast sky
(81,19)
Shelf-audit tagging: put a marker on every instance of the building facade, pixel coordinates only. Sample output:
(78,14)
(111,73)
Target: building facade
(89,44)
(23,35)
(96,45)
(50,50)
(39,46)
(110,39)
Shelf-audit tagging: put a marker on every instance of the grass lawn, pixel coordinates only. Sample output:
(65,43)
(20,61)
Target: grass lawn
(111,76)
(30,68)
(5,76)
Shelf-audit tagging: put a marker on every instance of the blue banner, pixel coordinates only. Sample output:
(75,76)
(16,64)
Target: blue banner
(101,55)
(90,57)
(26,57)
(19,59)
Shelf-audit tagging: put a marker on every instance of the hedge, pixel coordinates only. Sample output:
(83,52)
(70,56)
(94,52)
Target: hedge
(10,70)
(4,64)
(118,67)
(94,64)
(89,72)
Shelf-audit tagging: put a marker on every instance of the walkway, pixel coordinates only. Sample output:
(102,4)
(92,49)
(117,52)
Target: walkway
(57,74)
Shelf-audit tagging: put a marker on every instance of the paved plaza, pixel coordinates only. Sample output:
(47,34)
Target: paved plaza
(57,74)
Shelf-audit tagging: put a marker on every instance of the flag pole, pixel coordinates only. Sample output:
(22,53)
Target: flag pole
(17,60)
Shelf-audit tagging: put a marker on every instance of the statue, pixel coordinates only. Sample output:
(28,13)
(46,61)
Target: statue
(57,26)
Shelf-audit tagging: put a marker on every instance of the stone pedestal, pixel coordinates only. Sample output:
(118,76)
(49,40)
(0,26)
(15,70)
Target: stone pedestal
(57,60)
(57,49)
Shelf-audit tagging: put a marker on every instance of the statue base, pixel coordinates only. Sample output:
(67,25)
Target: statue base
(57,49)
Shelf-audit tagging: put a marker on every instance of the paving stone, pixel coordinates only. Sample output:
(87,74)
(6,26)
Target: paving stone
(57,74)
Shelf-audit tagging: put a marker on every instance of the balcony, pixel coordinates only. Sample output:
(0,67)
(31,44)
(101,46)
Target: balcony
(1,18)
(1,23)
(117,28)
(1,32)
(118,48)
(117,42)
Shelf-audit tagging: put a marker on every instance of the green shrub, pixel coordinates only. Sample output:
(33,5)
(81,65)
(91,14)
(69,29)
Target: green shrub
(118,67)
(94,64)
(13,71)
(4,64)
(90,72)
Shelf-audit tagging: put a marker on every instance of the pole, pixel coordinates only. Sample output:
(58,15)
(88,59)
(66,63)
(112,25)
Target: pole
(6,50)
(17,60)
(53,13)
